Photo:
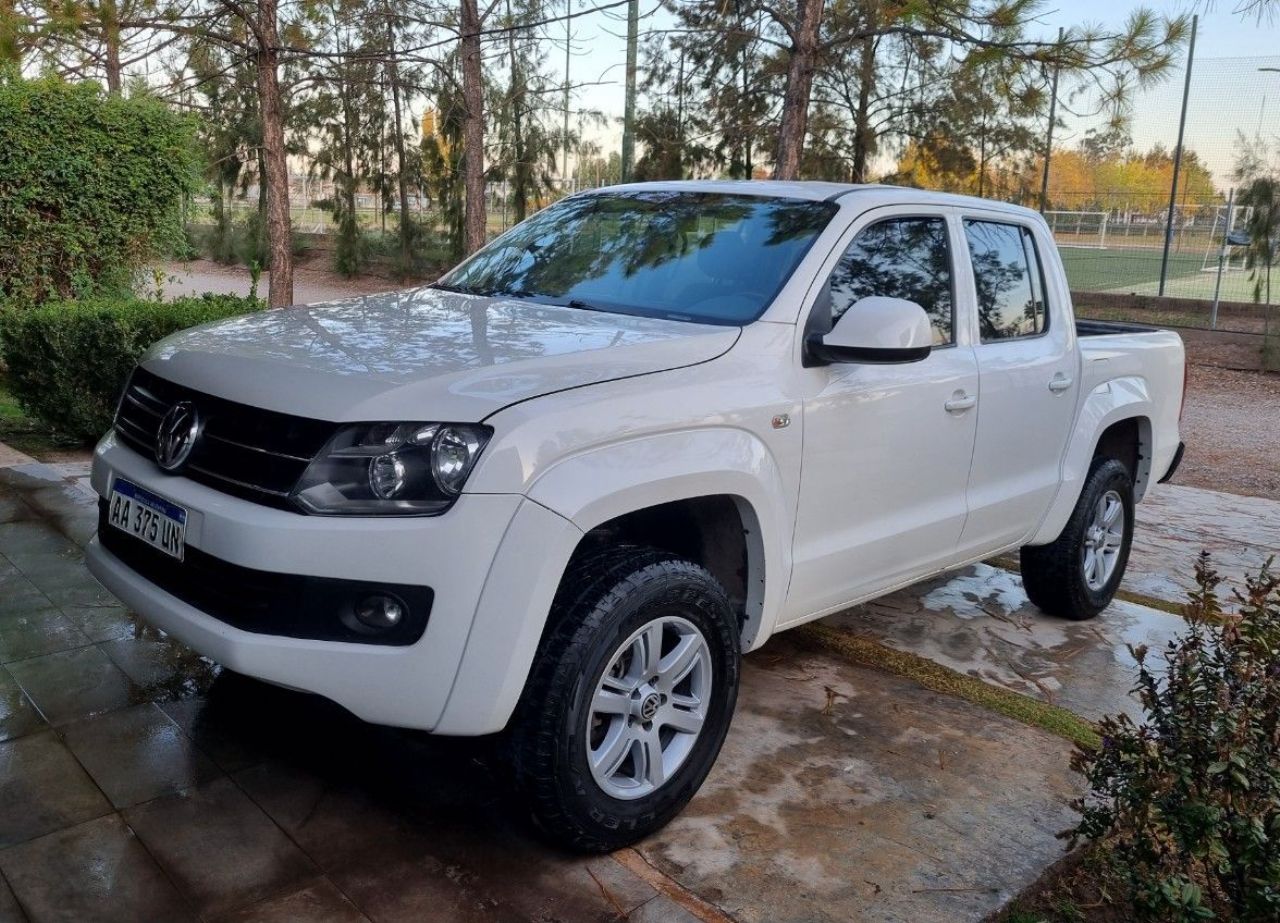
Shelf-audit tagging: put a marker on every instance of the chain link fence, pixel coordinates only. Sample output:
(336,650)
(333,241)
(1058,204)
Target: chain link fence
(1114,207)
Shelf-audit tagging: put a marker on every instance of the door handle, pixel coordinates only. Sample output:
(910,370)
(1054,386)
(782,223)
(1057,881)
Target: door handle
(1059,383)
(960,402)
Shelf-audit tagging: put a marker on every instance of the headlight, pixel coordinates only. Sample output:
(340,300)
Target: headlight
(396,469)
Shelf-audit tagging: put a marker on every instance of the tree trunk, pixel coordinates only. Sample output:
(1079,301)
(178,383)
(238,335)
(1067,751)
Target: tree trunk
(748,168)
(519,173)
(402,181)
(279,245)
(795,100)
(10,32)
(111,43)
(863,137)
(474,221)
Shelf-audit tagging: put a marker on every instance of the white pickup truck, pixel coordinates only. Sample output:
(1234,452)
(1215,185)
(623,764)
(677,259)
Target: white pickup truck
(561,492)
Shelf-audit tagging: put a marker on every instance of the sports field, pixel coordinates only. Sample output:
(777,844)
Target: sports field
(1136,270)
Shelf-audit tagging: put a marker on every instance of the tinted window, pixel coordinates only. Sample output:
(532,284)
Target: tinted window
(1006,274)
(683,255)
(899,258)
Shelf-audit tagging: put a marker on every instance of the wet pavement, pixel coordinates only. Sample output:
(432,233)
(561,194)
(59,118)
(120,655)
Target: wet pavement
(138,781)
(848,794)
(980,622)
(1175,523)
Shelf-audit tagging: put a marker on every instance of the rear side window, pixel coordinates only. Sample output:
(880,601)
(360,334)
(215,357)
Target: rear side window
(899,258)
(1008,280)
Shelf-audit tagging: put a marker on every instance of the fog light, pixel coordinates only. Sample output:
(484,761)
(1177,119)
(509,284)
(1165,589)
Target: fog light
(380,612)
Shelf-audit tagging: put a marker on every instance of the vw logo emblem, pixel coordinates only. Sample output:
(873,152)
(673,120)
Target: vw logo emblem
(177,435)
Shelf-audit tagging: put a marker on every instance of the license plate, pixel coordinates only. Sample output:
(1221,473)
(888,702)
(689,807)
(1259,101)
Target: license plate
(148,517)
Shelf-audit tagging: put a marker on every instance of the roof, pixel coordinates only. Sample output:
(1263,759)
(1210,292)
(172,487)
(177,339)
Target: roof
(815,191)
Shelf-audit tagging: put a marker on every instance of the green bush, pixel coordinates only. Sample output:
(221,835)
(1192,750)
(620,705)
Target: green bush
(1187,801)
(90,187)
(67,361)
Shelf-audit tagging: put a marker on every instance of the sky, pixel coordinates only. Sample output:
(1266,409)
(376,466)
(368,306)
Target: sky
(1228,93)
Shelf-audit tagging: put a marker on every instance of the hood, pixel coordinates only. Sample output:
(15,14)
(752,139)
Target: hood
(423,354)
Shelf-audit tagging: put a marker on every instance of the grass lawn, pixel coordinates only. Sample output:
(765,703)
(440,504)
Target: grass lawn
(1136,270)
(25,434)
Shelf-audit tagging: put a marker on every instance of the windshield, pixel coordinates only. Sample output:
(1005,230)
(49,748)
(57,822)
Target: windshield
(694,256)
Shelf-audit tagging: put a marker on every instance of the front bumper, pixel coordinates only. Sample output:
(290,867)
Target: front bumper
(406,686)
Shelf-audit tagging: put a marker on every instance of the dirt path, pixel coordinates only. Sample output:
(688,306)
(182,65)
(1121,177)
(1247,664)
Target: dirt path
(1231,426)
(313,281)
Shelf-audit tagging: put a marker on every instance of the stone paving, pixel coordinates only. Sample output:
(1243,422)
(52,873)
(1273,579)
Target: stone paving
(979,621)
(1175,523)
(140,782)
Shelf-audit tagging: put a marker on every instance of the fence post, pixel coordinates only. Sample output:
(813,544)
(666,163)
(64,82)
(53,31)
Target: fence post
(1177,156)
(1222,258)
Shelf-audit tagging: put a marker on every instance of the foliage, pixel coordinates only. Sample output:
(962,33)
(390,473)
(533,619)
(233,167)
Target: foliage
(90,187)
(1256,168)
(1117,178)
(966,83)
(1187,800)
(67,361)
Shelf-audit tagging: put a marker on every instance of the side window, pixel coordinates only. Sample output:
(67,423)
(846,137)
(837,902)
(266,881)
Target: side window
(1008,280)
(899,258)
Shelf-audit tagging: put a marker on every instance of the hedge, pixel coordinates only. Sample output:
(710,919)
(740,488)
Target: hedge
(91,187)
(67,361)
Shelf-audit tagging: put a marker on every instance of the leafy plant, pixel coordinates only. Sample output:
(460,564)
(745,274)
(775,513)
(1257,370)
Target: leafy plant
(1187,801)
(91,187)
(67,361)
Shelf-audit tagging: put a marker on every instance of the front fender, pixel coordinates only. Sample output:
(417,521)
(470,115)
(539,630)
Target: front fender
(1118,399)
(591,488)
(576,495)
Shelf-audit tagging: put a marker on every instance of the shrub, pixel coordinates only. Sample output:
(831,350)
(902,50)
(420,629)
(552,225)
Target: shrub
(68,361)
(1187,802)
(90,187)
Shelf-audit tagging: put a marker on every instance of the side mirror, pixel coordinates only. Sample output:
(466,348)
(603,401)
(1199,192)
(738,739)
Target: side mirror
(875,329)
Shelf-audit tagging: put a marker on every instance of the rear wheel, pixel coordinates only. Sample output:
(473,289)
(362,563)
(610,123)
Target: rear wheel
(1077,575)
(629,699)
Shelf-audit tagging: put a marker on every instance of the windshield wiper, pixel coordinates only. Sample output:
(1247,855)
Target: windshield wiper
(539,297)
(586,306)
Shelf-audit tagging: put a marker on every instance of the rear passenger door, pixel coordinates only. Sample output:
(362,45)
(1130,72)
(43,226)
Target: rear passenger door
(1027,371)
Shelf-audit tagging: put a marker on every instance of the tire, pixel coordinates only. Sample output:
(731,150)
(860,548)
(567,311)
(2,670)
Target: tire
(604,600)
(1056,576)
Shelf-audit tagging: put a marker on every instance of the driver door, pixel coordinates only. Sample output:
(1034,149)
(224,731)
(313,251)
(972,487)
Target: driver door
(887,447)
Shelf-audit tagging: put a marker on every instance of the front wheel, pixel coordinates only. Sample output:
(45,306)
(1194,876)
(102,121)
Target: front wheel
(1077,575)
(629,699)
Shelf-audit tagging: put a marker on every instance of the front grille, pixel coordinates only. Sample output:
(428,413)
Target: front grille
(288,605)
(246,451)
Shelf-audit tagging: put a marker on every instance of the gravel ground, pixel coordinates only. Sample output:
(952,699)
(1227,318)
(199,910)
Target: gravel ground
(1231,426)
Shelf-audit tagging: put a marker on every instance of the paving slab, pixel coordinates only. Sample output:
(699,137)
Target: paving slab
(61,495)
(319,902)
(137,754)
(10,912)
(1176,523)
(218,847)
(979,622)
(43,789)
(847,794)
(94,871)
